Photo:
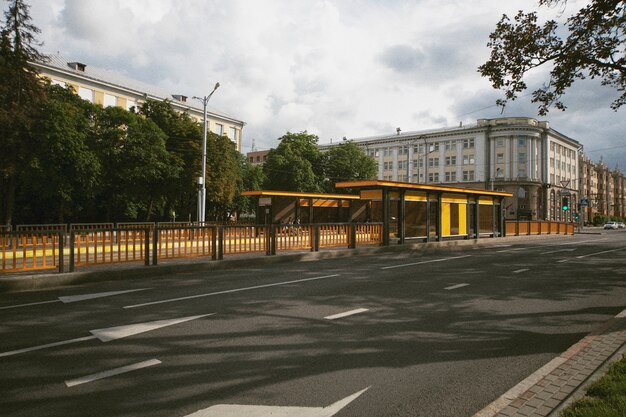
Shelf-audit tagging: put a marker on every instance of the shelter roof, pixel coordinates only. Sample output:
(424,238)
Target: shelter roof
(373,184)
(270,193)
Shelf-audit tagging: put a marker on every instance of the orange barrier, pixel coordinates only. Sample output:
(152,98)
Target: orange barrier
(243,239)
(369,233)
(60,227)
(333,235)
(294,237)
(184,242)
(30,251)
(105,246)
(537,227)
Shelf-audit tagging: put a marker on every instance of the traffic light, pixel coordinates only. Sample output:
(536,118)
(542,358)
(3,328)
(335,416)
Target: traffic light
(565,204)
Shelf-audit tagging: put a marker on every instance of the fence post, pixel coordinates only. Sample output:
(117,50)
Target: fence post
(220,239)
(316,238)
(214,242)
(72,241)
(61,254)
(273,239)
(155,244)
(352,236)
(147,245)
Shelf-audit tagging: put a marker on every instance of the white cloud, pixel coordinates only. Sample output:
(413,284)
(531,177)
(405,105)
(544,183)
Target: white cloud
(334,68)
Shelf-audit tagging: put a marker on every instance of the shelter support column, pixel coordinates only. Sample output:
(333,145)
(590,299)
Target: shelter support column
(386,209)
(401,218)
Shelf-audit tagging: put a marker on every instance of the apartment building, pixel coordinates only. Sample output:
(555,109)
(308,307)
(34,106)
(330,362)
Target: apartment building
(602,189)
(519,155)
(108,88)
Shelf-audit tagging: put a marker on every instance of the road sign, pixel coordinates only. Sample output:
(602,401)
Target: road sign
(584,202)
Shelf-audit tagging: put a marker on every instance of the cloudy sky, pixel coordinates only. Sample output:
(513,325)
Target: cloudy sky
(334,68)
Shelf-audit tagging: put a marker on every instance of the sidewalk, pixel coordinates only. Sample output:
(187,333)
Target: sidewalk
(564,379)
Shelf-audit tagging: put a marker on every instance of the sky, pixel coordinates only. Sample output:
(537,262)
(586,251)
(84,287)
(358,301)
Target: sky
(352,68)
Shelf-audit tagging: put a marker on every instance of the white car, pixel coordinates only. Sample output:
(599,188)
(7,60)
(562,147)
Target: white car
(611,225)
(620,225)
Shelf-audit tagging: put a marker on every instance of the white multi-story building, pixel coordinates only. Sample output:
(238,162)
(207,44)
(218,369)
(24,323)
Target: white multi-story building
(520,155)
(108,88)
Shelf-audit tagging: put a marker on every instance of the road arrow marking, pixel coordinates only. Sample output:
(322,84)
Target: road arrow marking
(75,298)
(111,372)
(111,333)
(234,410)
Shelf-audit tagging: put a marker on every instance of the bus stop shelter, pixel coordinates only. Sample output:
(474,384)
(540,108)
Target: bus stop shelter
(286,207)
(431,212)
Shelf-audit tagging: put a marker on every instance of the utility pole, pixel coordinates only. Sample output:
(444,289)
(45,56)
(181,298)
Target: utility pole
(202,179)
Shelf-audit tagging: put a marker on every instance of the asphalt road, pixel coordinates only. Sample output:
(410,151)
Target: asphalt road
(399,334)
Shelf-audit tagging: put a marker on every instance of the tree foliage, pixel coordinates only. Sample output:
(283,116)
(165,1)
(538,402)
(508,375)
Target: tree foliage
(595,47)
(348,162)
(21,99)
(296,164)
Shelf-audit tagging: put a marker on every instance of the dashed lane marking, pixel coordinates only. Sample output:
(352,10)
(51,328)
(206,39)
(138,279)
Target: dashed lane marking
(454,287)
(346,314)
(111,372)
(519,271)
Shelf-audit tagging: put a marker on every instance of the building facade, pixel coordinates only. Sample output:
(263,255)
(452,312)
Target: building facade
(108,88)
(602,189)
(519,155)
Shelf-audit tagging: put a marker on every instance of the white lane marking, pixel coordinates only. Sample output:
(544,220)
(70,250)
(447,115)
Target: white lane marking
(557,251)
(346,314)
(621,315)
(454,287)
(76,298)
(599,253)
(519,271)
(562,261)
(512,250)
(112,372)
(171,300)
(30,304)
(425,262)
(235,410)
(30,349)
(112,333)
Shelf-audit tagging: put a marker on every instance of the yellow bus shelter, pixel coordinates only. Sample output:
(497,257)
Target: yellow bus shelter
(431,212)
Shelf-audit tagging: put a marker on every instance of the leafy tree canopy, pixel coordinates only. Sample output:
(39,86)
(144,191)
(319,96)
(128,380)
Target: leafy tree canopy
(594,46)
(348,162)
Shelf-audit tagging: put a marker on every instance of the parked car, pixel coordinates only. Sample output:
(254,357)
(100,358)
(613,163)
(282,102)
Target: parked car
(620,225)
(611,225)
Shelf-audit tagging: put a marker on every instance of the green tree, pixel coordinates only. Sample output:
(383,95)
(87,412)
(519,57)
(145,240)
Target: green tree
(136,166)
(595,47)
(222,176)
(348,162)
(60,180)
(21,99)
(184,143)
(296,164)
(252,178)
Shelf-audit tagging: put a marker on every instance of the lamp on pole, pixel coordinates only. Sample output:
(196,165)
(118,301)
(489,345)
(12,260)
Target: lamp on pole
(202,179)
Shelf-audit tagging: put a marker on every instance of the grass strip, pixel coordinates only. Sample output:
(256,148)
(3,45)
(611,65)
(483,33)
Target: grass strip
(605,397)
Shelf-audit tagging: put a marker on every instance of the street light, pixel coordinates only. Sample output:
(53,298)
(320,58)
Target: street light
(202,179)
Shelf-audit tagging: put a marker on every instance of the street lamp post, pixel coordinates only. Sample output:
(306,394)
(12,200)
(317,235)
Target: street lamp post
(202,179)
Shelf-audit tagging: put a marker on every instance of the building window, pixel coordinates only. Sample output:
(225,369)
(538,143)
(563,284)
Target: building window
(219,129)
(232,134)
(468,159)
(468,143)
(433,177)
(451,176)
(451,145)
(85,94)
(500,158)
(403,150)
(130,104)
(521,141)
(109,100)
(450,160)
(387,152)
(500,143)
(433,162)
(402,164)
(468,175)
(521,157)
(552,163)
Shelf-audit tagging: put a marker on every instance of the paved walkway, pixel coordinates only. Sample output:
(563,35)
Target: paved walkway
(547,391)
